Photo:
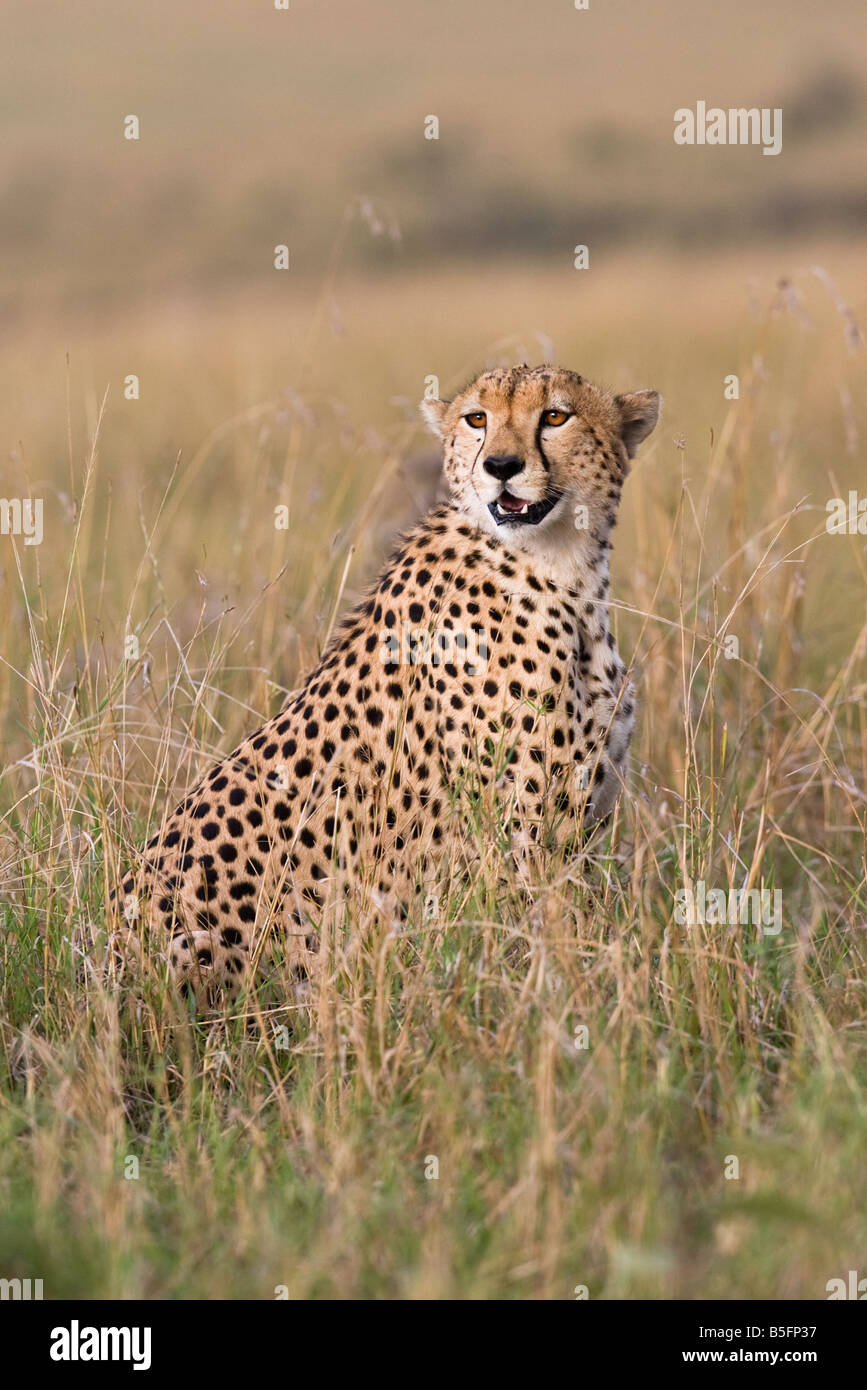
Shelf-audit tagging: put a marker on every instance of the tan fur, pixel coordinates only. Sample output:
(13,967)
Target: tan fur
(356,777)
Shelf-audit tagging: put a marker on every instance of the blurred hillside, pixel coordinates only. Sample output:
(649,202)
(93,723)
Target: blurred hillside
(261,127)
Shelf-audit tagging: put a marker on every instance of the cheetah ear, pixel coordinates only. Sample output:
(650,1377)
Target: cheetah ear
(433,413)
(639,412)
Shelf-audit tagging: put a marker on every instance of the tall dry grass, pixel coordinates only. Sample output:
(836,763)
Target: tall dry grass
(145,1154)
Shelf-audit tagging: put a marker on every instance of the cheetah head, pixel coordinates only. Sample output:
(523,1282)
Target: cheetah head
(534,454)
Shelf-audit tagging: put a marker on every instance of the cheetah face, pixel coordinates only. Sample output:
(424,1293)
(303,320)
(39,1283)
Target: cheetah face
(539,450)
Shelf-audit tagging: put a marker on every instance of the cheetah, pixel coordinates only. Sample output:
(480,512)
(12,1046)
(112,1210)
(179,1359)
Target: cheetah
(483,646)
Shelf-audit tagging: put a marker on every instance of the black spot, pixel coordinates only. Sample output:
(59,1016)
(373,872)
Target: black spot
(242,890)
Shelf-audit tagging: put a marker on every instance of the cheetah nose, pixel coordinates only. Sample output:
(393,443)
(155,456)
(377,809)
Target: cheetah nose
(503,466)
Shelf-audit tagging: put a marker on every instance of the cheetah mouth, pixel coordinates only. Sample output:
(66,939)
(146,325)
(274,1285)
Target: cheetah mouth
(516,511)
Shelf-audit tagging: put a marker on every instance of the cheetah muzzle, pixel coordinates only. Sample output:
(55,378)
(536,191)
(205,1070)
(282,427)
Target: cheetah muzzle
(517,511)
(483,648)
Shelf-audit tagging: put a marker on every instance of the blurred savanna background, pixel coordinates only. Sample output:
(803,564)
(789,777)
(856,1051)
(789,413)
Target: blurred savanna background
(164,614)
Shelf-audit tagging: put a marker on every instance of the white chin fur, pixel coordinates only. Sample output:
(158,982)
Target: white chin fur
(557,547)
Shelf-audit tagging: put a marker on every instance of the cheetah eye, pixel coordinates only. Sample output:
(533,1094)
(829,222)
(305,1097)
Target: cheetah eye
(555,417)
(476,419)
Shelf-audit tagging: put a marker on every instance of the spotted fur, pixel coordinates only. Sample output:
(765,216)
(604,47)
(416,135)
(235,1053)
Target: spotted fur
(482,654)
